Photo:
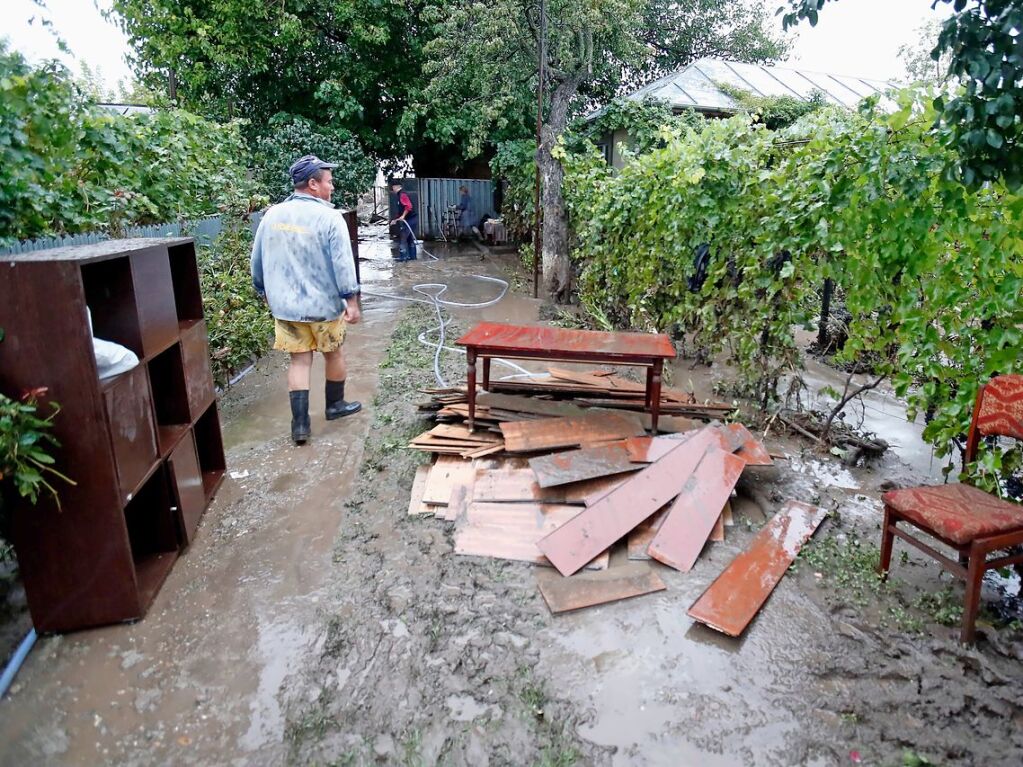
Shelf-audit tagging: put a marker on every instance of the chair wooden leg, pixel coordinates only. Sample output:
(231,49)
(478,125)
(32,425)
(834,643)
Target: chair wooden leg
(974,579)
(887,539)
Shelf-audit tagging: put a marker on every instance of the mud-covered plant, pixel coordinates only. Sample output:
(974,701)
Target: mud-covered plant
(25,444)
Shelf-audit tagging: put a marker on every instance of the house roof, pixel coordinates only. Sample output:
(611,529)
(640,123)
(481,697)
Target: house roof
(696,86)
(125,109)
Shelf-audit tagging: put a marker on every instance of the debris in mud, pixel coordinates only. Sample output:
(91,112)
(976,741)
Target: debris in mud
(854,447)
(587,481)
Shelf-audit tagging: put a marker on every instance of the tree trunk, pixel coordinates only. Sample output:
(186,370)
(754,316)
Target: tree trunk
(557,268)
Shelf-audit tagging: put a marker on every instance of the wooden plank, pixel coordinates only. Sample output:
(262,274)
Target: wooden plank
(415,504)
(447,472)
(752,450)
(551,433)
(717,533)
(519,485)
(483,451)
(736,596)
(583,379)
(671,424)
(649,449)
(619,511)
(457,503)
(589,589)
(726,515)
(696,510)
(457,432)
(511,530)
(517,403)
(578,465)
(640,537)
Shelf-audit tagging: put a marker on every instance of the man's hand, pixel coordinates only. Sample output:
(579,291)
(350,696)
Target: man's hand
(352,313)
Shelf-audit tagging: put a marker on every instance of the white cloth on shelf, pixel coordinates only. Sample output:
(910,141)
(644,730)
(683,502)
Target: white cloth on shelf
(111,359)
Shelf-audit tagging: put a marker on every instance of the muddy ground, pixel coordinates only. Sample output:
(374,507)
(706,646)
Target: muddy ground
(314,622)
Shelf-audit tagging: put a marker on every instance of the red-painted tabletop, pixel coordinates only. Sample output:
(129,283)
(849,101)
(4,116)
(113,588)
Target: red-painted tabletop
(494,337)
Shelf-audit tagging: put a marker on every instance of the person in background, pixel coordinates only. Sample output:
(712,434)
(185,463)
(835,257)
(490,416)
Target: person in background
(465,214)
(406,222)
(302,264)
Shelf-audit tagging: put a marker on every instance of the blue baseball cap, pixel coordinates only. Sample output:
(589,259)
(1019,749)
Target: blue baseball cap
(304,167)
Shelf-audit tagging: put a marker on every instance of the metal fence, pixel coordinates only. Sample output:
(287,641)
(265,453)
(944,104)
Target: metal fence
(431,197)
(204,230)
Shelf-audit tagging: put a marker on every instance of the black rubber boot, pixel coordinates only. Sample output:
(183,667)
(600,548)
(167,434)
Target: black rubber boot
(299,416)
(336,405)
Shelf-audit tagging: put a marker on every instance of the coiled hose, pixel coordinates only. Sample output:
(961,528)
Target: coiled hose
(433,292)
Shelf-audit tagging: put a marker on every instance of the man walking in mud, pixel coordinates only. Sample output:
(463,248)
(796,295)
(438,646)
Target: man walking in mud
(302,265)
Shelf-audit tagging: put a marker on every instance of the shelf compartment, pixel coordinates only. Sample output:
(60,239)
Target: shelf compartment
(210,449)
(154,292)
(110,296)
(129,411)
(170,397)
(187,482)
(195,356)
(187,287)
(152,535)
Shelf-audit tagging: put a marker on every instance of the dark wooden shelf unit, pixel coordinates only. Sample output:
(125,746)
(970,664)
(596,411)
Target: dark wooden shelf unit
(144,448)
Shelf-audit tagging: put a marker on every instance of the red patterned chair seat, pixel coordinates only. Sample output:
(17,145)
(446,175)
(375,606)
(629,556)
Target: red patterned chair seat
(957,513)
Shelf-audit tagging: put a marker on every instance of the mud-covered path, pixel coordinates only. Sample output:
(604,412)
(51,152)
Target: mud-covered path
(199,680)
(314,622)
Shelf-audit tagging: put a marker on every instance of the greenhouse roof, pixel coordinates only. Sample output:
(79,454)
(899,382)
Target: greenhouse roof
(697,86)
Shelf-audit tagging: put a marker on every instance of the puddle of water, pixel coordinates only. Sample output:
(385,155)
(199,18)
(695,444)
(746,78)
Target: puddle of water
(1007,603)
(823,474)
(883,414)
(280,645)
(663,690)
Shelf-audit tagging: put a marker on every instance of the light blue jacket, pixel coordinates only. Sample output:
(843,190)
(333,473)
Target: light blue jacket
(302,260)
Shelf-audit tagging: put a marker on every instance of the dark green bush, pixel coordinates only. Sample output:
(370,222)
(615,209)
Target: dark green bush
(288,137)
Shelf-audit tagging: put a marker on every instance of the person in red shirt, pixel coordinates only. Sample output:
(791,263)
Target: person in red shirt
(407,221)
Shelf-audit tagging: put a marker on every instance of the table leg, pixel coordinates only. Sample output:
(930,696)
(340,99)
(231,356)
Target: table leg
(654,397)
(486,374)
(470,374)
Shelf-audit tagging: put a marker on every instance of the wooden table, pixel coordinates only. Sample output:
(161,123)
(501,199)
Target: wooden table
(524,342)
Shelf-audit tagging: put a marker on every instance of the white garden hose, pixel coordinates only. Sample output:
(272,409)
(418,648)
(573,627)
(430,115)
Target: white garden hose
(433,292)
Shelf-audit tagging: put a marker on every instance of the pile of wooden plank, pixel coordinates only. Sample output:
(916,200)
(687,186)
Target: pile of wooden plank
(564,393)
(567,487)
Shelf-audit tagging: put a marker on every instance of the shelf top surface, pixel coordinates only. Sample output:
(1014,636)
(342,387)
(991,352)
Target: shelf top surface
(96,251)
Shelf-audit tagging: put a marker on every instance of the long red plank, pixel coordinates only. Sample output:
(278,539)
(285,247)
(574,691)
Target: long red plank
(729,439)
(734,598)
(692,517)
(495,337)
(615,514)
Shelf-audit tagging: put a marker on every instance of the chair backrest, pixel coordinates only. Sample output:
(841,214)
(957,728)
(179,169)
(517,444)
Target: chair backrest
(998,411)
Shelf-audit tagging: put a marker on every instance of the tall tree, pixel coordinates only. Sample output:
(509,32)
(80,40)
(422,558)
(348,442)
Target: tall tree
(677,32)
(494,51)
(351,64)
(482,66)
(916,57)
(982,40)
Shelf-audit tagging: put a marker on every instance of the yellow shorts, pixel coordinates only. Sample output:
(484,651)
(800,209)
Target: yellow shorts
(298,337)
